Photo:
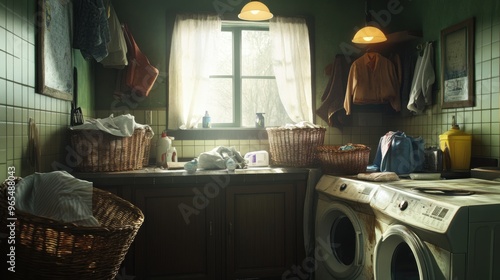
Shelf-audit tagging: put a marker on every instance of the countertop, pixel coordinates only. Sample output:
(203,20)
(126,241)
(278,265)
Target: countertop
(156,176)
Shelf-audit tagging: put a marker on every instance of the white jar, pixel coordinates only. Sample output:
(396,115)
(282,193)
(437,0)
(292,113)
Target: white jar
(172,155)
(162,148)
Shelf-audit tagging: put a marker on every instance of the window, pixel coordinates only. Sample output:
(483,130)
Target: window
(234,70)
(243,82)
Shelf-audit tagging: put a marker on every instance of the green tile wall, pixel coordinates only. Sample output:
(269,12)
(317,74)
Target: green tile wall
(18,100)
(482,120)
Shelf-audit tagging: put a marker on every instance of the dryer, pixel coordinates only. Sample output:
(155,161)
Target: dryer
(345,228)
(443,229)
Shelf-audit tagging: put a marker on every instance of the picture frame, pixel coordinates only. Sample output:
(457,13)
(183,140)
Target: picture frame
(54,52)
(457,65)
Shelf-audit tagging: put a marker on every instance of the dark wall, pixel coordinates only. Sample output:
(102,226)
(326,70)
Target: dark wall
(334,23)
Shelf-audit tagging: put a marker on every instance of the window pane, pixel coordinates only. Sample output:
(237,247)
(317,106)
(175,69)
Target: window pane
(256,53)
(224,54)
(219,103)
(261,96)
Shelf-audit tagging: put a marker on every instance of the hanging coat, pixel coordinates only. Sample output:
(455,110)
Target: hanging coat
(372,80)
(332,106)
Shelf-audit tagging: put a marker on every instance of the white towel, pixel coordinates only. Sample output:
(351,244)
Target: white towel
(123,125)
(423,79)
(56,195)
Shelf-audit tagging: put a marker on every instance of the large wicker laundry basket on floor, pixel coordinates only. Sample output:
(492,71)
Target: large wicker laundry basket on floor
(48,249)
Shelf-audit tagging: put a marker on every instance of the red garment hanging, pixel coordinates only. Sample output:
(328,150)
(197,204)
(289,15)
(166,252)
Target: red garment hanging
(140,74)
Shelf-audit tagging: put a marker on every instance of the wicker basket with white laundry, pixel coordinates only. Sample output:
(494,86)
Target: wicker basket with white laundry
(110,144)
(64,228)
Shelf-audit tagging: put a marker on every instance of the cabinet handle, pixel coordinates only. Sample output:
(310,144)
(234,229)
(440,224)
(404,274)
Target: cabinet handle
(230,228)
(211,228)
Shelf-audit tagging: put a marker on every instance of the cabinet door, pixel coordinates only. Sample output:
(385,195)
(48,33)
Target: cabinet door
(176,240)
(261,231)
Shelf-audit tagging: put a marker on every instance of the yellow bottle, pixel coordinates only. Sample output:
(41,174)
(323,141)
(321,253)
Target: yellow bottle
(456,146)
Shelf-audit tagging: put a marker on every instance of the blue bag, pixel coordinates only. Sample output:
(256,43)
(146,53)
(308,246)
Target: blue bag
(403,154)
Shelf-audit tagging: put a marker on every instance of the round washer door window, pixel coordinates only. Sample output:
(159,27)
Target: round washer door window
(343,240)
(401,255)
(340,240)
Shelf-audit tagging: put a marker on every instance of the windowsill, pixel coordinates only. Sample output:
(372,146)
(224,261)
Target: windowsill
(219,134)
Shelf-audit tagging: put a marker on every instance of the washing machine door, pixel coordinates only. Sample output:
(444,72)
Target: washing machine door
(401,255)
(339,241)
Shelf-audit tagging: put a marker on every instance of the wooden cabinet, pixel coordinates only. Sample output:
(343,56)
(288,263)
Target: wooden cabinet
(169,246)
(261,230)
(249,228)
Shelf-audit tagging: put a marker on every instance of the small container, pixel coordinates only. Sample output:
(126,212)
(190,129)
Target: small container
(191,166)
(259,120)
(162,149)
(257,158)
(173,154)
(433,159)
(207,120)
(230,164)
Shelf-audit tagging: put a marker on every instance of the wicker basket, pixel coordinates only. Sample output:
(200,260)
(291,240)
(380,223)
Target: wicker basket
(99,151)
(48,249)
(335,161)
(147,147)
(294,147)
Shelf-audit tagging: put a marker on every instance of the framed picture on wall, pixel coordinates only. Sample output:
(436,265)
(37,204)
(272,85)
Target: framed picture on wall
(457,65)
(54,73)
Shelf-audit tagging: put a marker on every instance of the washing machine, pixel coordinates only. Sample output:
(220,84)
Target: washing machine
(443,229)
(345,228)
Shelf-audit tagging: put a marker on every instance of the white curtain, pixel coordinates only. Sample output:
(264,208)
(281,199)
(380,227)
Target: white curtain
(292,66)
(191,54)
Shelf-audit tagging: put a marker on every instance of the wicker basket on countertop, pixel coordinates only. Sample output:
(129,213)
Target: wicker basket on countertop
(49,249)
(98,151)
(337,161)
(294,147)
(147,147)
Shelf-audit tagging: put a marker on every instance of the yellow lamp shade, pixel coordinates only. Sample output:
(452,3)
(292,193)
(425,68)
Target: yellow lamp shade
(255,11)
(369,35)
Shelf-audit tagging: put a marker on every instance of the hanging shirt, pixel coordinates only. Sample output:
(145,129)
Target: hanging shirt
(117,46)
(91,29)
(423,79)
(372,80)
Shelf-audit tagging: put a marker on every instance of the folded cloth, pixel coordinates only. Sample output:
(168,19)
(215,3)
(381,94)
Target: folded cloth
(379,176)
(216,158)
(123,125)
(58,196)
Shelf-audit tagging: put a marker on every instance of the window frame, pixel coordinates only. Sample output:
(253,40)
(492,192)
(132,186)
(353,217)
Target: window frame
(237,28)
(248,133)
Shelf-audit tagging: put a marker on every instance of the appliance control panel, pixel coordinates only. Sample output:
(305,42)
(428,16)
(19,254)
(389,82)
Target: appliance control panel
(414,210)
(347,189)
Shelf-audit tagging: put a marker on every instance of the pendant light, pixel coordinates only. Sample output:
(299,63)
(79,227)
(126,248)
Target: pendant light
(369,34)
(255,11)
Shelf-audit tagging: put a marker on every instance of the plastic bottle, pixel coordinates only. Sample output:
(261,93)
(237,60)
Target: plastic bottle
(230,164)
(259,120)
(172,154)
(207,121)
(191,166)
(162,147)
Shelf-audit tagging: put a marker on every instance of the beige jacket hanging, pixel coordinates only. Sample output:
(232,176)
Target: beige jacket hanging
(372,80)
